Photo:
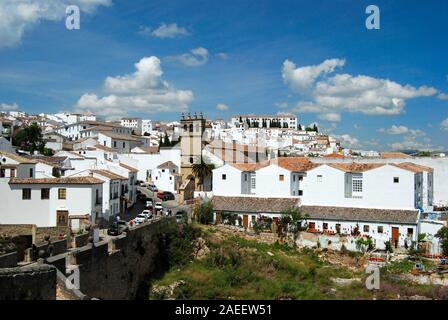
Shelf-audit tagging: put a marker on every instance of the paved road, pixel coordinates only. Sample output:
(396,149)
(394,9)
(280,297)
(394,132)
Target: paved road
(172,205)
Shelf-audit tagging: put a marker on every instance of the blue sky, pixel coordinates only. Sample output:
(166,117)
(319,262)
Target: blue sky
(239,51)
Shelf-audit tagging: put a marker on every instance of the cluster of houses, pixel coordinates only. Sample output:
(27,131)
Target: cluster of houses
(93,176)
(387,201)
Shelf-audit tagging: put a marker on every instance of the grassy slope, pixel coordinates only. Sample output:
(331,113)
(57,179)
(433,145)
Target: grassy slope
(237,268)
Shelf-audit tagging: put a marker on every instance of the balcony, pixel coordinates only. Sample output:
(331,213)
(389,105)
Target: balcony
(99,201)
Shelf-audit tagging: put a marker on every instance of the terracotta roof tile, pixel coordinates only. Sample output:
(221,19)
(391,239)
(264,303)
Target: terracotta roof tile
(398,155)
(355,167)
(253,204)
(132,169)
(412,167)
(16,157)
(360,214)
(109,174)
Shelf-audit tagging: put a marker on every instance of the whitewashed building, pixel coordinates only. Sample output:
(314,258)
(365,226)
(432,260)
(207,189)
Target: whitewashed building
(51,202)
(166,176)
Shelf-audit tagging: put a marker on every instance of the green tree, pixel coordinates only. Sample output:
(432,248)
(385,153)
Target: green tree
(442,234)
(201,170)
(291,221)
(166,141)
(205,213)
(30,138)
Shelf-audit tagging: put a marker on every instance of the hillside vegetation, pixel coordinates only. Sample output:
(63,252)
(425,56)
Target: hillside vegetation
(237,268)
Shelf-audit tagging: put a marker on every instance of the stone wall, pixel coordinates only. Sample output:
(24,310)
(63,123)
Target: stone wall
(28,283)
(118,269)
(8,260)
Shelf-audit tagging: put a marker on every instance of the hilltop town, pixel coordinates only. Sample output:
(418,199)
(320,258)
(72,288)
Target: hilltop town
(71,180)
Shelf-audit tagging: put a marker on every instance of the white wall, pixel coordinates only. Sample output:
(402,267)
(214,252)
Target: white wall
(268,182)
(440,166)
(231,186)
(41,212)
(379,191)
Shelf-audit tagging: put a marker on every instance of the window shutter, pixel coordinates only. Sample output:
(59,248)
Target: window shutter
(348,185)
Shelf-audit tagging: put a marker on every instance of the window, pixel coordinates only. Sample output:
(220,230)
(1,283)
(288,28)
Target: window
(163,170)
(62,194)
(338,227)
(325,226)
(281,177)
(396,179)
(300,178)
(380,229)
(294,177)
(410,231)
(224,177)
(357,183)
(191,159)
(2,173)
(253,183)
(366,228)
(62,218)
(115,144)
(31,172)
(12,173)
(312,225)
(300,192)
(26,194)
(45,193)
(319,178)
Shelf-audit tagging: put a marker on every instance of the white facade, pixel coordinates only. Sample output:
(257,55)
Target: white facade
(166,177)
(285,121)
(325,186)
(37,209)
(134,124)
(146,126)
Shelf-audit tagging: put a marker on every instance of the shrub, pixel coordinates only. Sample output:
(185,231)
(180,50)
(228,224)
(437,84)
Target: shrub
(388,246)
(442,234)
(205,213)
(179,244)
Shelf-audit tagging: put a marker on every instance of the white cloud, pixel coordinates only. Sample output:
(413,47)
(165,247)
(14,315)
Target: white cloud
(410,142)
(8,107)
(333,117)
(282,105)
(300,79)
(19,16)
(326,94)
(443,96)
(196,57)
(222,107)
(444,125)
(347,140)
(143,91)
(222,55)
(396,130)
(164,31)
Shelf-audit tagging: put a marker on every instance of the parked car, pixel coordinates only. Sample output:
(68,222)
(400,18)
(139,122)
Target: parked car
(114,230)
(168,196)
(158,206)
(149,203)
(122,225)
(141,196)
(140,218)
(147,213)
(160,194)
(153,188)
